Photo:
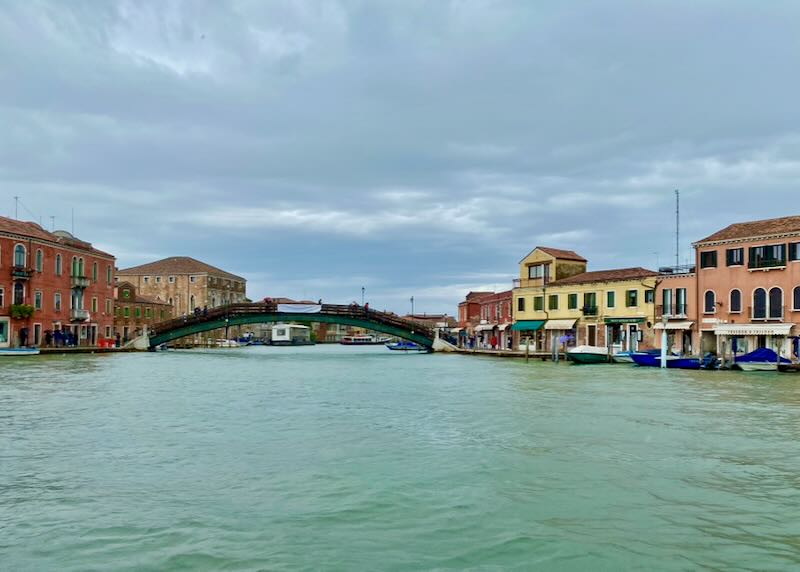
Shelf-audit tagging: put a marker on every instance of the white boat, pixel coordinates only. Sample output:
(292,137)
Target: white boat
(762,359)
(363,340)
(588,354)
(222,343)
(19,352)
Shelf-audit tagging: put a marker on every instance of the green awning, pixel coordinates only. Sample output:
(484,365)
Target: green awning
(528,325)
(625,320)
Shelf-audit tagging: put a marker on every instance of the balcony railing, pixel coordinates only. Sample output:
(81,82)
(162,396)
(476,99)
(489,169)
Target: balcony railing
(589,310)
(20,273)
(767,263)
(80,281)
(680,269)
(79,315)
(766,315)
(672,310)
(516,283)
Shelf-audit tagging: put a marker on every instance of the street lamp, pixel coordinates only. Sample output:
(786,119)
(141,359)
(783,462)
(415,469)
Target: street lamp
(362,295)
(412,306)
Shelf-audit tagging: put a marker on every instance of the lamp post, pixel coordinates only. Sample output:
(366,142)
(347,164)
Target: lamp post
(362,295)
(412,306)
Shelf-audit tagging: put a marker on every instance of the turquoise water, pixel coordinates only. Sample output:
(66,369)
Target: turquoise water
(331,458)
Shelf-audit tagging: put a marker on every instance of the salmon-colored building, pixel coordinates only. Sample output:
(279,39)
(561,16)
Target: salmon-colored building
(748,287)
(676,309)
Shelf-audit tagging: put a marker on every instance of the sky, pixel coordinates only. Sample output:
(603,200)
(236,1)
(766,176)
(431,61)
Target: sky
(412,148)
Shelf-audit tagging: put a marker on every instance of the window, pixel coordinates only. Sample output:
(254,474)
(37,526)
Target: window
(39,260)
(552,303)
(775,304)
(108,331)
(611,299)
(163,314)
(734,256)
(535,272)
(708,259)
(192,279)
(520,304)
(138,312)
(796,298)
(148,313)
(109,274)
(649,296)
(794,251)
(590,303)
(736,301)
(37,300)
(59,268)
(57,301)
(538,303)
(126,293)
(118,311)
(94,272)
(666,302)
(74,266)
(158,279)
(192,303)
(19,293)
(768,256)
(19,256)
(94,305)
(572,302)
(632,298)
(680,301)
(108,307)
(126,312)
(171,280)
(710,306)
(3,297)
(759,304)
(80,267)
(146,280)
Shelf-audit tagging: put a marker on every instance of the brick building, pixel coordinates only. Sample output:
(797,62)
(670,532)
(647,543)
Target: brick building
(62,282)
(133,312)
(185,284)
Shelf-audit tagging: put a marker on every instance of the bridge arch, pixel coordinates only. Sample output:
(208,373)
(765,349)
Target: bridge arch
(261,313)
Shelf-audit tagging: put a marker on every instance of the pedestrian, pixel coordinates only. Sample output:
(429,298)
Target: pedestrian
(493,342)
(23,337)
(117,340)
(48,338)
(366,307)
(205,311)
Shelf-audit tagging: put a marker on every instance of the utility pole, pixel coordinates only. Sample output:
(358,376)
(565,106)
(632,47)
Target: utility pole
(412,306)
(16,207)
(677,227)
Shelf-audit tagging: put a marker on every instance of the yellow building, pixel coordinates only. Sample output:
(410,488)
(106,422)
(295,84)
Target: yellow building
(613,308)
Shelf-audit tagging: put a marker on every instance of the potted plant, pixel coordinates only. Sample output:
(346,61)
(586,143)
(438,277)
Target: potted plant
(21,311)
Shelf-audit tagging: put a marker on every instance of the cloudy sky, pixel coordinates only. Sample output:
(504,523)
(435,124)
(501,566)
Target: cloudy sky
(411,147)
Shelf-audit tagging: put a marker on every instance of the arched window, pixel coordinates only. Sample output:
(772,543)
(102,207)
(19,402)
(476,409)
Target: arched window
(75,266)
(19,293)
(775,303)
(710,302)
(39,260)
(80,267)
(797,298)
(19,256)
(58,265)
(736,301)
(760,304)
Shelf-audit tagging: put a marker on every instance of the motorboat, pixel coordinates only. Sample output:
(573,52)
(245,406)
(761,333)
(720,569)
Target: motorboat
(673,362)
(363,340)
(762,359)
(17,352)
(406,346)
(588,354)
(627,356)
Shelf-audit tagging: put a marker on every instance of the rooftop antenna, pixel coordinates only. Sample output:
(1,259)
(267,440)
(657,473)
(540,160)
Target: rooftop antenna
(73,221)
(16,207)
(52,223)
(677,227)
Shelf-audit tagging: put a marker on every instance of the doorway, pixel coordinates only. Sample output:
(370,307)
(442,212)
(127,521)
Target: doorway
(591,335)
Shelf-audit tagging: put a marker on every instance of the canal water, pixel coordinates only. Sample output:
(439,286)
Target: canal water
(333,458)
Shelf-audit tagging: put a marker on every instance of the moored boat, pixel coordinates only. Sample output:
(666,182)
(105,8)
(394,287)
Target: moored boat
(627,357)
(588,354)
(789,367)
(363,340)
(406,346)
(762,359)
(673,362)
(222,343)
(16,352)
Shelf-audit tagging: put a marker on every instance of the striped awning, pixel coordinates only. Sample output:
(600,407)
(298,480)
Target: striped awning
(560,324)
(485,327)
(753,329)
(674,326)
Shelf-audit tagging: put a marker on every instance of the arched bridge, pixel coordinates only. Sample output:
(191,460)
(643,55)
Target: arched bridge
(265,312)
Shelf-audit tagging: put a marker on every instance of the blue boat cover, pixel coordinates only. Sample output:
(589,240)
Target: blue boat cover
(761,355)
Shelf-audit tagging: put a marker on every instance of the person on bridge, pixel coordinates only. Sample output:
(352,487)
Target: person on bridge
(366,307)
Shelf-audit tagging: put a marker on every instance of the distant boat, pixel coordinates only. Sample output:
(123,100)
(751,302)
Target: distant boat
(363,340)
(588,354)
(762,359)
(405,346)
(16,352)
(673,362)
(222,343)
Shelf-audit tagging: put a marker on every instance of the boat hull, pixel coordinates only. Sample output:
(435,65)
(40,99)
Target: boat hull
(17,352)
(789,367)
(673,362)
(406,347)
(585,355)
(758,366)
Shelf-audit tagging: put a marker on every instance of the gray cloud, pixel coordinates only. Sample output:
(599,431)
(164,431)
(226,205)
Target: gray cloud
(411,147)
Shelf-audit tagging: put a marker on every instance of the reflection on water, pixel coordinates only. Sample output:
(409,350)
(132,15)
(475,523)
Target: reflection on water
(358,458)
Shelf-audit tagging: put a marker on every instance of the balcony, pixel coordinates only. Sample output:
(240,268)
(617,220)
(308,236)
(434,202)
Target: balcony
(761,314)
(79,315)
(516,283)
(80,282)
(589,310)
(672,310)
(767,263)
(20,273)
(680,269)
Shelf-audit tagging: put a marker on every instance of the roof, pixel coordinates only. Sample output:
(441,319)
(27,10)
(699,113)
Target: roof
(137,298)
(32,230)
(177,265)
(615,275)
(756,229)
(558,254)
(495,297)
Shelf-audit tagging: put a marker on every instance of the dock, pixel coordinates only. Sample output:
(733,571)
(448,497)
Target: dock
(542,356)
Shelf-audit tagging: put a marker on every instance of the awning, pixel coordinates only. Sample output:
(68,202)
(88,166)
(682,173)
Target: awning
(637,320)
(485,327)
(560,324)
(753,329)
(505,326)
(674,326)
(528,325)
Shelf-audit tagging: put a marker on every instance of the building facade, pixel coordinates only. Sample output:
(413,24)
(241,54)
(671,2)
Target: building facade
(676,310)
(133,313)
(748,287)
(52,282)
(186,284)
(493,330)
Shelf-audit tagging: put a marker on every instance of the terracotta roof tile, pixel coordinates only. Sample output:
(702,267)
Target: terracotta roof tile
(33,230)
(177,265)
(558,253)
(755,229)
(607,276)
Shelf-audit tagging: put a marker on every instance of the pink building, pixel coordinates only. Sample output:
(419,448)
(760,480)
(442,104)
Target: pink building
(748,288)
(676,310)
